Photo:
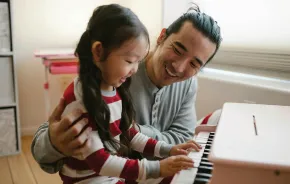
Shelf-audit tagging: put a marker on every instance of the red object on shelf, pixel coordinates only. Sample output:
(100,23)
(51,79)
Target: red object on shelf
(63,68)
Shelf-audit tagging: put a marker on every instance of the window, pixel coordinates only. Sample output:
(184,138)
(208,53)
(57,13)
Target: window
(256,33)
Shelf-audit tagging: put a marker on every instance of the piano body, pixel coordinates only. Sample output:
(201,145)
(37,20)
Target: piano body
(251,145)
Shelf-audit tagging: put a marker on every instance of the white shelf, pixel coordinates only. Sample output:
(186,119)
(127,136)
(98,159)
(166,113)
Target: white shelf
(3,105)
(10,142)
(6,54)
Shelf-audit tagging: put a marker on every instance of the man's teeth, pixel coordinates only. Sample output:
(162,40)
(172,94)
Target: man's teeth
(170,73)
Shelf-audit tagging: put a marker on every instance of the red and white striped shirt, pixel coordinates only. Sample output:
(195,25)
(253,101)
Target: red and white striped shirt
(102,166)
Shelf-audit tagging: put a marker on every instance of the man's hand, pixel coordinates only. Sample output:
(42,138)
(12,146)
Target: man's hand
(66,133)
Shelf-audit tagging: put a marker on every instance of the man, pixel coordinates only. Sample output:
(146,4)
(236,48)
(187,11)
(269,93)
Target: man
(163,91)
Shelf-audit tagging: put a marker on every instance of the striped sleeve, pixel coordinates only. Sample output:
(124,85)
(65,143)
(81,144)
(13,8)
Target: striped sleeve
(210,119)
(148,146)
(103,163)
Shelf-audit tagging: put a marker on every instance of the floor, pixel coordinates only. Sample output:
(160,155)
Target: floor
(23,169)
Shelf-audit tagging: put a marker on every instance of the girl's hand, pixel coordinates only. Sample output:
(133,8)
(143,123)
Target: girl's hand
(174,164)
(185,148)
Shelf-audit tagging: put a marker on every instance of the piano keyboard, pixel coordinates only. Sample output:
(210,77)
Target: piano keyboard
(201,172)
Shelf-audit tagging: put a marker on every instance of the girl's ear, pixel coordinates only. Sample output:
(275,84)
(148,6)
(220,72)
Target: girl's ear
(162,36)
(97,51)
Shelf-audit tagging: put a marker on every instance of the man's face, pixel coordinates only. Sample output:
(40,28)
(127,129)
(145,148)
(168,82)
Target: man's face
(180,56)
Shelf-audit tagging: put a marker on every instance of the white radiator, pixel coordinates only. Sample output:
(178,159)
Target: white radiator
(215,87)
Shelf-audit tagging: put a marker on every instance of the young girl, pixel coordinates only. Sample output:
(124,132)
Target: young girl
(109,52)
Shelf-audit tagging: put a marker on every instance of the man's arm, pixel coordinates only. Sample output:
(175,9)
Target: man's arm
(58,138)
(49,159)
(182,128)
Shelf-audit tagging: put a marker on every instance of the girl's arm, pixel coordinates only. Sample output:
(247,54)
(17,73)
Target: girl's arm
(148,146)
(103,163)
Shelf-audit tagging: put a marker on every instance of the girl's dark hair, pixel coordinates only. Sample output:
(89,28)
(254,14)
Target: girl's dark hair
(112,25)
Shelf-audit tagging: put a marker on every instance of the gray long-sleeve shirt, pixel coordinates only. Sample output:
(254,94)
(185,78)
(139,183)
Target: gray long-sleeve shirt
(166,114)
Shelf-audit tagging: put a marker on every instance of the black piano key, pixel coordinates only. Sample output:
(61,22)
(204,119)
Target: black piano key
(205,159)
(209,142)
(203,163)
(205,169)
(203,175)
(207,147)
(200,181)
(207,150)
(205,154)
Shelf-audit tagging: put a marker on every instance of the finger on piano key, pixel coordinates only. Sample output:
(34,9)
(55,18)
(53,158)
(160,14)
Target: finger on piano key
(197,154)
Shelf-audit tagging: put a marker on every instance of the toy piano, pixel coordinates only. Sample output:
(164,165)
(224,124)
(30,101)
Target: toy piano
(250,145)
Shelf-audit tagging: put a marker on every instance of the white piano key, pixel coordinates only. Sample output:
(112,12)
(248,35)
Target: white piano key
(196,155)
(203,135)
(186,176)
(196,163)
(201,140)
(193,152)
(189,176)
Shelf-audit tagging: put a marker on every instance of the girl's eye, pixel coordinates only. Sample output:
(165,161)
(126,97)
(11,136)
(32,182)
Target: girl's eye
(130,62)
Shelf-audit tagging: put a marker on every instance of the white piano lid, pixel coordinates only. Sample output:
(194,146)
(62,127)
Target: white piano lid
(235,141)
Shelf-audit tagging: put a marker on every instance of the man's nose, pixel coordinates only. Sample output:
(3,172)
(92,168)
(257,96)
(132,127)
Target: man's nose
(179,66)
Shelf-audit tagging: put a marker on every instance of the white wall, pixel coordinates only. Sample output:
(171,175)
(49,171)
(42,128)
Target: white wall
(258,24)
(249,24)
(40,24)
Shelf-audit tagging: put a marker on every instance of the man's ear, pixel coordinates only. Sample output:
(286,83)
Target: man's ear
(162,36)
(97,51)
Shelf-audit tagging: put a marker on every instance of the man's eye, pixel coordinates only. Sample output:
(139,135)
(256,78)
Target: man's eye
(193,65)
(176,51)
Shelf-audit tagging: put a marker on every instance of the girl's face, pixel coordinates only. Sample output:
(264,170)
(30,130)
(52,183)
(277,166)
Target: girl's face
(121,63)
